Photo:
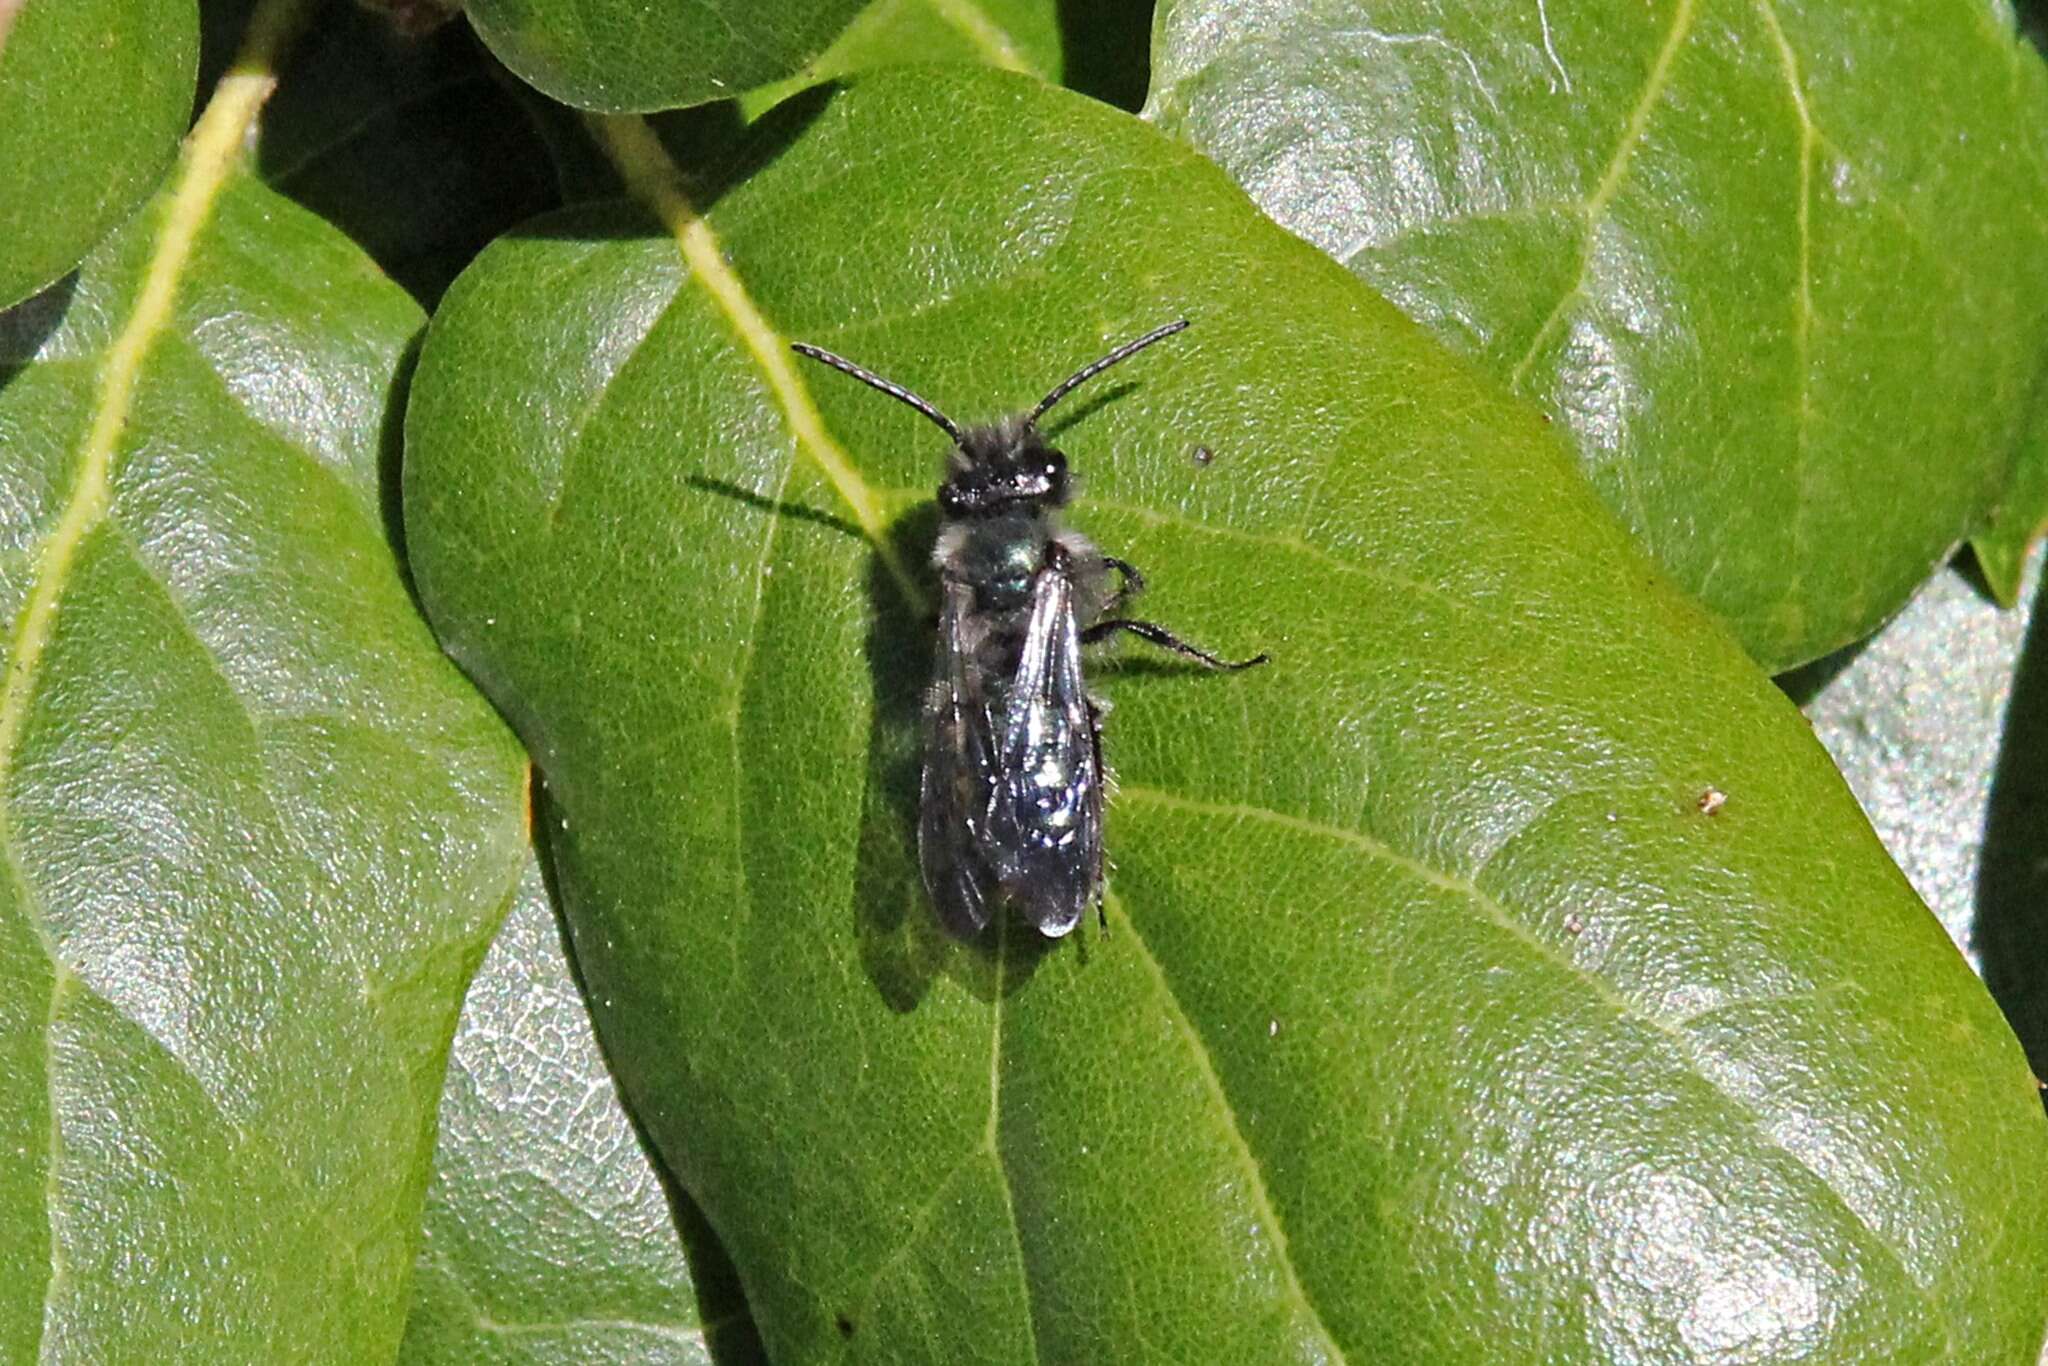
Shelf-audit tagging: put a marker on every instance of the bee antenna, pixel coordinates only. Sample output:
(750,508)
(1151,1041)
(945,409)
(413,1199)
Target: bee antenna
(1094,368)
(875,381)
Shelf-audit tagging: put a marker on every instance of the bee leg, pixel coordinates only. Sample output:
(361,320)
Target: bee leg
(1155,634)
(1132,585)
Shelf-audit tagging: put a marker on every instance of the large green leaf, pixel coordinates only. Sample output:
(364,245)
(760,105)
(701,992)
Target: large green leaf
(548,1236)
(257,830)
(1439,1019)
(1779,268)
(628,54)
(93,96)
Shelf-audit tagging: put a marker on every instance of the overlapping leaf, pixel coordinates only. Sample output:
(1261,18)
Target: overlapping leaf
(626,54)
(1017,35)
(1441,1017)
(257,831)
(93,96)
(1780,270)
(2022,512)
(548,1236)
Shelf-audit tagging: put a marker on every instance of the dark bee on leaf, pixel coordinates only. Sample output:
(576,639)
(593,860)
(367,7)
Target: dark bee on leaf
(1013,776)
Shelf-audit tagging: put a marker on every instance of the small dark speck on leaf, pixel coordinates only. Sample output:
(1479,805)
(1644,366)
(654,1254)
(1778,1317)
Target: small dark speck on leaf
(1202,456)
(1574,925)
(845,1326)
(1712,800)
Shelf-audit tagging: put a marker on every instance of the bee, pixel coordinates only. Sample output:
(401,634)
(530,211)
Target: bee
(1011,806)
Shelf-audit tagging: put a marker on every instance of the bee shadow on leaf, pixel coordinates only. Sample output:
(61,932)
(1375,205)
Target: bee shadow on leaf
(775,507)
(903,947)
(1085,409)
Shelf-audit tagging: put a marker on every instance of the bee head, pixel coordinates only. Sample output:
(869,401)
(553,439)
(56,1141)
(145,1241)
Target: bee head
(1007,464)
(1001,466)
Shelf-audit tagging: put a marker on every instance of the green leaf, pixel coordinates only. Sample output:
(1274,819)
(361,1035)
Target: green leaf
(93,96)
(548,1236)
(409,145)
(1940,726)
(257,830)
(1779,271)
(618,55)
(1437,1020)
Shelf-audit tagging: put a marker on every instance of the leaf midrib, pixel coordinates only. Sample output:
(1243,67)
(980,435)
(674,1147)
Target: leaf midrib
(211,154)
(1240,1146)
(656,182)
(1611,177)
(984,34)
(212,151)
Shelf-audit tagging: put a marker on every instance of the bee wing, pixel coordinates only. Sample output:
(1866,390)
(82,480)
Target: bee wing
(959,766)
(1045,808)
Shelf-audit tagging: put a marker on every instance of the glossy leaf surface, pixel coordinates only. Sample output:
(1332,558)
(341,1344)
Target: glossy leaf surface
(1779,270)
(1437,1020)
(626,54)
(93,96)
(257,830)
(548,1236)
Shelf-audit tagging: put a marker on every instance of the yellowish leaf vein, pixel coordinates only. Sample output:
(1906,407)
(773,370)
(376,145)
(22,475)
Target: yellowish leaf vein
(211,152)
(1596,204)
(653,179)
(1205,1066)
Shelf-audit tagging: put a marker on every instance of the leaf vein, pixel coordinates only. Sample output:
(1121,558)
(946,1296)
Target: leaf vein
(1212,1082)
(654,180)
(1289,541)
(211,152)
(668,1332)
(1802,300)
(984,34)
(920,1220)
(742,671)
(1609,184)
(990,1139)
